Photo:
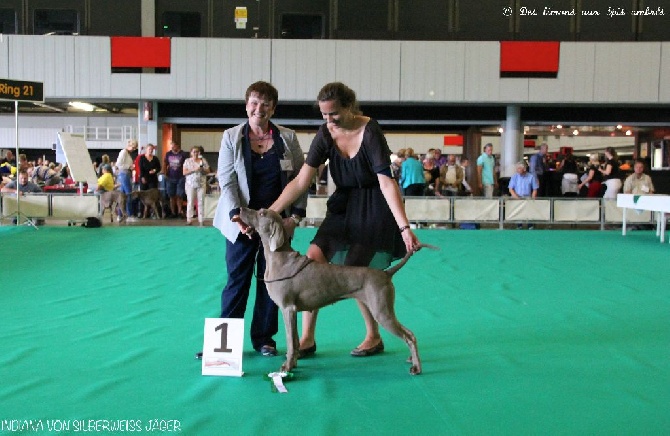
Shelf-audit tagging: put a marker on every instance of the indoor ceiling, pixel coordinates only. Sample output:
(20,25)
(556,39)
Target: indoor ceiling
(561,130)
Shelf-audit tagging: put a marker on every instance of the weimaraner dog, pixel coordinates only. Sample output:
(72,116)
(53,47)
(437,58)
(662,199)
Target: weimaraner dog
(112,200)
(296,283)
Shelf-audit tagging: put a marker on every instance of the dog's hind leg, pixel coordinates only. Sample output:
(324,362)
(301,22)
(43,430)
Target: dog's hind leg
(292,341)
(383,312)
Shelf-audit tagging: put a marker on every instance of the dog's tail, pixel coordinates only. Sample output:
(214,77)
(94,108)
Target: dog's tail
(394,269)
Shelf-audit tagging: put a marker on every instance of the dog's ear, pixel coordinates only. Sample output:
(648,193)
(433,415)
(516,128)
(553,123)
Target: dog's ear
(276,235)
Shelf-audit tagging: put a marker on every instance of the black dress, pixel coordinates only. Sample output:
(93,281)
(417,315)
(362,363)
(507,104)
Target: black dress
(359,228)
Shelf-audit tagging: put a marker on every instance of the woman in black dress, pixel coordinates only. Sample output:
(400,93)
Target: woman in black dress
(150,166)
(366,223)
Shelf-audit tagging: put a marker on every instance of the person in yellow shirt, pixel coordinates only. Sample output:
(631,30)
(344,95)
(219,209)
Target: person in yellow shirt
(106,180)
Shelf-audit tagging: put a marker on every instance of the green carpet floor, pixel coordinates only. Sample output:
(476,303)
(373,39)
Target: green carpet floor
(520,332)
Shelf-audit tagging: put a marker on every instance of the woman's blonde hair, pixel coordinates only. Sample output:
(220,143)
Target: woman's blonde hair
(594,158)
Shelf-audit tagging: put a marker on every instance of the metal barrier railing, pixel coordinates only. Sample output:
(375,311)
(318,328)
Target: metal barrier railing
(420,210)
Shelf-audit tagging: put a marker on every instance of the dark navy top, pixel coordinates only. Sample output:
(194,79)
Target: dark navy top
(265,178)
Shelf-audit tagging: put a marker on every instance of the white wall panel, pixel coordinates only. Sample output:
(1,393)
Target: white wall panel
(432,71)
(627,72)
(4,56)
(50,60)
(664,91)
(513,90)
(187,73)
(155,87)
(575,79)
(93,67)
(234,64)
(482,71)
(29,137)
(301,67)
(126,85)
(371,68)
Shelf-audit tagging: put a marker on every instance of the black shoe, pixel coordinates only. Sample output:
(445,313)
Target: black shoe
(268,350)
(306,352)
(359,352)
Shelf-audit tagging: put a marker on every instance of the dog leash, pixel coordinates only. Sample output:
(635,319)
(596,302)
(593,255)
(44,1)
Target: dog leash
(308,261)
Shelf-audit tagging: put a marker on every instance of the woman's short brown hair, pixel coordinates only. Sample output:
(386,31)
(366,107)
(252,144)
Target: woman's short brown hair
(264,90)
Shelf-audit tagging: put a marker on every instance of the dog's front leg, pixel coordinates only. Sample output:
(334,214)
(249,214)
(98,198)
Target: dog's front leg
(292,342)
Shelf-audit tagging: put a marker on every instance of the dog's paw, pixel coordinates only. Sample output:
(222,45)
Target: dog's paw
(286,366)
(415,370)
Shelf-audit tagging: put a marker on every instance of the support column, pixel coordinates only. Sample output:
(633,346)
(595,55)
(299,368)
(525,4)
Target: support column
(472,148)
(510,151)
(147,124)
(148,11)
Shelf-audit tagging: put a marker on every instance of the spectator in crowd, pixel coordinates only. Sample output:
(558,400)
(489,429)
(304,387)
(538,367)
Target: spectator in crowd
(150,166)
(23,183)
(23,162)
(366,223)
(106,180)
(173,168)
(486,171)
(124,166)
(539,167)
(195,170)
(611,174)
(256,161)
(465,164)
(412,181)
(397,164)
(593,179)
(440,159)
(570,180)
(97,166)
(638,183)
(431,171)
(451,178)
(46,175)
(104,160)
(523,185)
(9,158)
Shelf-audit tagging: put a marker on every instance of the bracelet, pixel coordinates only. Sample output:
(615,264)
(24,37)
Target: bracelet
(403,228)
(296,219)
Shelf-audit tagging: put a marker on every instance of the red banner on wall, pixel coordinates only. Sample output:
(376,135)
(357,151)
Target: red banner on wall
(453,140)
(140,52)
(529,58)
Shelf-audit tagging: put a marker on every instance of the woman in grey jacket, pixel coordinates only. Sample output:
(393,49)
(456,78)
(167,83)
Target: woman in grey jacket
(257,159)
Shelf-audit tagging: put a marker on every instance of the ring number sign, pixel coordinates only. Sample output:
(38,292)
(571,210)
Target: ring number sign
(223,345)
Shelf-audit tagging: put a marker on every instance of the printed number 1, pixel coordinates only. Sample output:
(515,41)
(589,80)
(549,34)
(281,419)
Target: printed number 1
(224,339)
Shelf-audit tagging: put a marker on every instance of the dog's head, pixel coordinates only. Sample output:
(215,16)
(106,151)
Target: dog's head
(268,224)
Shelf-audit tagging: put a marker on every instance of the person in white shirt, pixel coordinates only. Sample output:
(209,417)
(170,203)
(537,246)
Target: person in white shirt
(638,183)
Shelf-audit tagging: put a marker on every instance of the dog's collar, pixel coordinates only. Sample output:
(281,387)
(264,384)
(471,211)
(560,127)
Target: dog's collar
(306,261)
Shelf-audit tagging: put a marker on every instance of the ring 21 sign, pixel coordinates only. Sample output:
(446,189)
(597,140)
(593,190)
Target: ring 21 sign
(20,90)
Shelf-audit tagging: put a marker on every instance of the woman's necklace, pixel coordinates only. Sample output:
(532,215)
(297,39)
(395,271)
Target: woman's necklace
(260,144)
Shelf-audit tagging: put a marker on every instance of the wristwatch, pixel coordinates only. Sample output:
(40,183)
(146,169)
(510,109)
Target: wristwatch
(296,219)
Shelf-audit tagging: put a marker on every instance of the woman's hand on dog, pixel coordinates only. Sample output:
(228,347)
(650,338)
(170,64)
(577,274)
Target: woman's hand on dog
(289,226)
(244,227)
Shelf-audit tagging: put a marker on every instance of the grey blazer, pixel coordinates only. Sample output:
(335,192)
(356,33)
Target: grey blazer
(234,166)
